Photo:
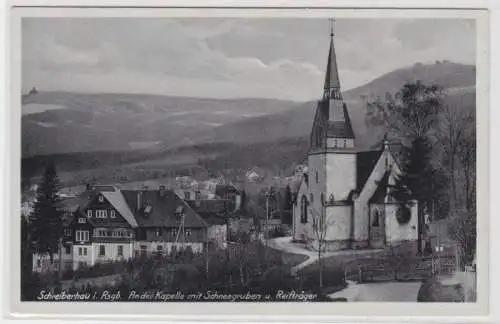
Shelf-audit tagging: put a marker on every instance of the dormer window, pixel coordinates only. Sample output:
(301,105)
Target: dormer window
(89,213)
(82,221)
(113,214)
(101,198)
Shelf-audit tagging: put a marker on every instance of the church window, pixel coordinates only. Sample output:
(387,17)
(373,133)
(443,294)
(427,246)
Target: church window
(322,199)
(316,176)
(376,216)
(303,209)
(312,198)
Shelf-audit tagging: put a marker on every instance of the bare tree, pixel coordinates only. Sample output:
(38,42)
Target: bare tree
(454,130)
(319,228)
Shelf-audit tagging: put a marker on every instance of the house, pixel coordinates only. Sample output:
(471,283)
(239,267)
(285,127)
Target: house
(165,222)
(346,187)
(231,193)
(102,229)
(255,174)
(215,212)
(106,224)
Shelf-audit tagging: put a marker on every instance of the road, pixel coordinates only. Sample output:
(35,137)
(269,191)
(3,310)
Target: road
(380,292)
(285,244)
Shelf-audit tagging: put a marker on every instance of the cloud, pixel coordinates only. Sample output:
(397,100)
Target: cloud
(276,58)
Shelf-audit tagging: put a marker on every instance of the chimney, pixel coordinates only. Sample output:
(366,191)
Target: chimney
(139,200)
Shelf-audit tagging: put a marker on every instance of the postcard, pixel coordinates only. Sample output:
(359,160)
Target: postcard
(204,162)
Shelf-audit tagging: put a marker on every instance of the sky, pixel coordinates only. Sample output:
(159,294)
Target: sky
(229,58)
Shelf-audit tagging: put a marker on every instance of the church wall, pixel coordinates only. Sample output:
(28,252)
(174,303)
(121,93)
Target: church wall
(300,229)
(361,206)
(341,171)
(399,233)
(338,220)
(317,185)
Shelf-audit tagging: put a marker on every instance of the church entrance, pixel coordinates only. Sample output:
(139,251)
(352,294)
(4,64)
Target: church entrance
(377,225)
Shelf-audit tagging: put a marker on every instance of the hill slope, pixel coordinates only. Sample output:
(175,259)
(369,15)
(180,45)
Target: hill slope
(59,122)
(457,79)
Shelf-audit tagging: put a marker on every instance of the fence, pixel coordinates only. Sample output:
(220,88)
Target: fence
(400,269)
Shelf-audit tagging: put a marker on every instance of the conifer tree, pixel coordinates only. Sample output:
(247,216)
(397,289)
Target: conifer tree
(46,219)
(288,204)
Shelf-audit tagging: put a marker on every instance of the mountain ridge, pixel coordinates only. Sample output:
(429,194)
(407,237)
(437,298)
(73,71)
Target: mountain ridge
(79,122)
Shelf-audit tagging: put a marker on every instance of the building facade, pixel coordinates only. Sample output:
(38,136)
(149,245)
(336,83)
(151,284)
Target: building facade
(343,197)
(110,225)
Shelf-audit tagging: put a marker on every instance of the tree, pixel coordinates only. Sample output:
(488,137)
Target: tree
(288,205)
(454,130)
(46,219)
(319,229)
(418,180)
(411,113)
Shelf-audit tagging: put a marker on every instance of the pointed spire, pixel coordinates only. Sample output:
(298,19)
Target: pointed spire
(332,83)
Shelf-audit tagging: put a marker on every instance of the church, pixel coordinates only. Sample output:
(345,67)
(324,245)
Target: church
(343,199)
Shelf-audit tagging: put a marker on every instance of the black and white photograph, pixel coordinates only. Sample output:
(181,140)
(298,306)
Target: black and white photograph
(259,159)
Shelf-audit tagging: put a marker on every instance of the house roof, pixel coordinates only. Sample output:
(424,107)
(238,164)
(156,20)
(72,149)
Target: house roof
(213,218)
(223,190)
(209,205)
(365,163)
(116,199)
(163,209)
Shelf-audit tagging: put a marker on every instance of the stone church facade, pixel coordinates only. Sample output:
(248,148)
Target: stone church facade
(347,187)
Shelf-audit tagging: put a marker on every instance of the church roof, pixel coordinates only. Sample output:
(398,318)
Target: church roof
(337,128)
(366,161)
(332,75)
(332,117)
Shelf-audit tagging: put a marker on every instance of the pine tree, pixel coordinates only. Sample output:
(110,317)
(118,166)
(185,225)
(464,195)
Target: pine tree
(288,204)
(415,181)
(418,180)
(46,219)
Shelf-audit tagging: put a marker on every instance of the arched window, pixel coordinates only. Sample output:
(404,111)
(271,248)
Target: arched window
(303,209)
(376,216)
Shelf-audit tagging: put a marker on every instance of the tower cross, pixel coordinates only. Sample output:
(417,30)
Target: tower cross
(332,26)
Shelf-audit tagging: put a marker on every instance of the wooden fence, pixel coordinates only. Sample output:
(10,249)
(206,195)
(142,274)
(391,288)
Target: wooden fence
(400,270)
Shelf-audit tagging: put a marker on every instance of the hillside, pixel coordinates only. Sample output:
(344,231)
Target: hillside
(458,80)
(61,122)
(143,130)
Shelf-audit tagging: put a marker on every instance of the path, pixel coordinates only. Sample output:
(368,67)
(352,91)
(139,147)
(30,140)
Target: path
(285,244)
(380,292)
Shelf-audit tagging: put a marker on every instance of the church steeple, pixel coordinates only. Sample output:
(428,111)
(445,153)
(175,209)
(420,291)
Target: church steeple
(332,128)
(332,83)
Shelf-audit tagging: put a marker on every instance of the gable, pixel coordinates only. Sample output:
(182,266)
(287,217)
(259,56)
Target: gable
(106,208)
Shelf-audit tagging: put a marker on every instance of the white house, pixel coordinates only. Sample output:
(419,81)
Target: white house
(348,187)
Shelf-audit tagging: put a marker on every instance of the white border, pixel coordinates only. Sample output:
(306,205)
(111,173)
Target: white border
(281,311)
